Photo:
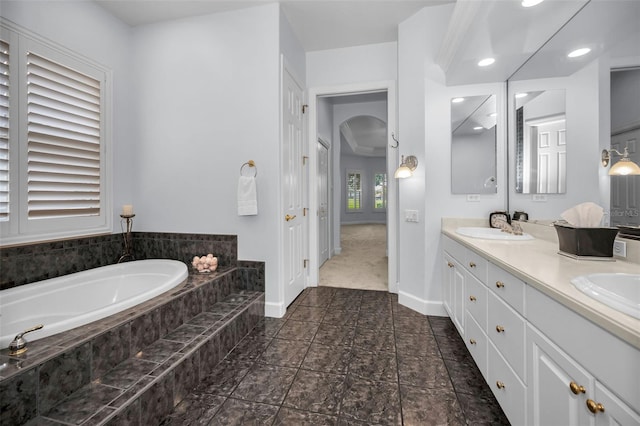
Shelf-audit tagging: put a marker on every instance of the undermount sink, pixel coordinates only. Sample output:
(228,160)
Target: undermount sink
(491,234)
(617,290)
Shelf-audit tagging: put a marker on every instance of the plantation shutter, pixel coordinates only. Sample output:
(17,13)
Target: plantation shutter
(4,131)
(63,141)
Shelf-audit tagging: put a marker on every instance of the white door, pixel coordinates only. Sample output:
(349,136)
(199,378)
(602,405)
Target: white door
(323,203)
(292,190)
(625,190)
(551,157)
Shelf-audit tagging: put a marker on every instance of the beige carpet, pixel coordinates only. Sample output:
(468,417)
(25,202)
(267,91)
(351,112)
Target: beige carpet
(362,264)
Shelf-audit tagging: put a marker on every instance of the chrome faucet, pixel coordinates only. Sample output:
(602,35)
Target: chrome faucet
(19,343)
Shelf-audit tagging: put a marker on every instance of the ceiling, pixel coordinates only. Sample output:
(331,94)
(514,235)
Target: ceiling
(319,25)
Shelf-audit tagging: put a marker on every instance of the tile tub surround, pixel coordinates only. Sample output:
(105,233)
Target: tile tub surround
(344,357)
(142,348)
(29,263)
(538,264)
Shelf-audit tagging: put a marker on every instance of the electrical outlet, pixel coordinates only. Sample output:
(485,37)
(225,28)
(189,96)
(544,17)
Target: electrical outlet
(620,248)
(539,198)
(473,197)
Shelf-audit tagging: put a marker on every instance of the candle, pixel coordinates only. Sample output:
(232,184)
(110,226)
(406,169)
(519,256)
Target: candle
(127,210)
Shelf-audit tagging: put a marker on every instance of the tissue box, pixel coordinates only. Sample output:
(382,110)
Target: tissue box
(586,242)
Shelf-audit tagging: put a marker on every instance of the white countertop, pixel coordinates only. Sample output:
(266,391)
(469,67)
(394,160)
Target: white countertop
(538,263)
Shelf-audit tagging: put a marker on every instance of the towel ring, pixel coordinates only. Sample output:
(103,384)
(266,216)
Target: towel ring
(250,164)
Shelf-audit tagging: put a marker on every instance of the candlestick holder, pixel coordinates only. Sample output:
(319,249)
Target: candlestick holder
(127,254)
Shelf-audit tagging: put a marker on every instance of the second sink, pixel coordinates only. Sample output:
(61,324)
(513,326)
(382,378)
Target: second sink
(491,234)
(617,290)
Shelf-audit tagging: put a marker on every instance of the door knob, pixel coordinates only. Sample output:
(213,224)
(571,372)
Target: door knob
(289,217)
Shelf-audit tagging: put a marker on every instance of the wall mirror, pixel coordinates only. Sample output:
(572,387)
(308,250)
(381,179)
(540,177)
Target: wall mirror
(541,143)
(608,34)
(473,145)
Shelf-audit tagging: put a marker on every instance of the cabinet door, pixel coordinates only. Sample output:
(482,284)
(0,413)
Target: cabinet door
(447,284)
(615,411)
(558,387)
(458,297)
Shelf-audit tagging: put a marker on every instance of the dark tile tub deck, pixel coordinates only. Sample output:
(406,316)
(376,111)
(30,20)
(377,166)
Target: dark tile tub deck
(134,367)
(344,357)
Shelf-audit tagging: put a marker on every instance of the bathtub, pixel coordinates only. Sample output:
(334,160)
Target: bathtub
(73,300)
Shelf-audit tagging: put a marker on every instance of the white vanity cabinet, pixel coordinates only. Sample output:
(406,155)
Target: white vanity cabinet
(546,364)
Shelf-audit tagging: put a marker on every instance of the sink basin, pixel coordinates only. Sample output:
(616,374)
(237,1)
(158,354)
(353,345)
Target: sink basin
(491,234)
(619,291)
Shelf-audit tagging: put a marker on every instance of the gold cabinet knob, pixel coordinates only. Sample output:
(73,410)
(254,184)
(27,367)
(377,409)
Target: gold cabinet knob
(499,328)
(289,217)
(450,265)
(472,298)
(499,284)
(595,407)
(500,384)
(472,265)
(472,341)
(576,388)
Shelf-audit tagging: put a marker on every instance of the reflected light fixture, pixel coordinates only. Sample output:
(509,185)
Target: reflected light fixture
(521,95)
(486,62)
(579,52)
(624,167)
(457,100)
(478,128)
(406,168)
(530,3)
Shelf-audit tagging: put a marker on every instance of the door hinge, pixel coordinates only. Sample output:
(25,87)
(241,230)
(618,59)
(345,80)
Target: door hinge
(304,211)
(304,160)
(305,263)
(304,108)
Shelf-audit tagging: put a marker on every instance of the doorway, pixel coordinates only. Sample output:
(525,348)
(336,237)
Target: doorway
(337,179)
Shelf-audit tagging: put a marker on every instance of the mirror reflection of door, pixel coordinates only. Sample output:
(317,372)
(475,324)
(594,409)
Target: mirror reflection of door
(323,202)
(544,172)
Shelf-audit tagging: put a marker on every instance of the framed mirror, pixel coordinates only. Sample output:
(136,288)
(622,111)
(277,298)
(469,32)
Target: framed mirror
(607,34)
(473,145)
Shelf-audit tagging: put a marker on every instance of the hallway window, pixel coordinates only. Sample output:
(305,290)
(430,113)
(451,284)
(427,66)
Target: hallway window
(354,191)
(380,191)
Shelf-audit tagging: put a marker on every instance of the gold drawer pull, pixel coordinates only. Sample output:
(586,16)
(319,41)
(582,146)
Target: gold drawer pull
(499,284)
(472,341)
(576,388)
(500,384)
(472,298)
(499,328)
(595,407)
(450,265)
(472,264)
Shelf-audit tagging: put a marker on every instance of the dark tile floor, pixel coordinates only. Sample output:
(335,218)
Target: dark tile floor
(345,357)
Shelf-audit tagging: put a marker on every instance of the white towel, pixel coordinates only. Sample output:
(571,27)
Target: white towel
(585,215)
(247,196)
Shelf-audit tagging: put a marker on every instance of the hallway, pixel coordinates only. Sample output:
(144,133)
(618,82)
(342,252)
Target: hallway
(347,357)
(362,264)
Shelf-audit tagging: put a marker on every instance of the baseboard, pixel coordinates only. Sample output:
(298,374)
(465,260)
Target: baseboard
(422,306)
(274,310)
(337,250)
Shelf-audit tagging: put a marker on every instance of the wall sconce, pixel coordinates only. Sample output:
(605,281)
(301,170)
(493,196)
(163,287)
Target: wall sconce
(406,168)
(623,167)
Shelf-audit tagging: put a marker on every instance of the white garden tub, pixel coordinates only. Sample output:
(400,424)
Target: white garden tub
(73,300)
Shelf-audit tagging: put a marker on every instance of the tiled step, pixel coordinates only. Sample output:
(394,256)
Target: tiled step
(145,387)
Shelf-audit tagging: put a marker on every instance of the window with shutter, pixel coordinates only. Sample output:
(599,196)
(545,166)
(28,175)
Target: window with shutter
(4,131)
(63,128)
(53,160)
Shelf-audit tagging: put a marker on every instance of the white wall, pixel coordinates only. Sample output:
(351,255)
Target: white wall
(87,29)
(473,161)
(208,100)
(625,95)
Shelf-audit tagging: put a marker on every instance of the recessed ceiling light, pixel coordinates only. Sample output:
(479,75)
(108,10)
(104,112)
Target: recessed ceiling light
(457,100)
(493,114)
(579,52)
(530,3)
(486,62)
(478,128)
(521,95)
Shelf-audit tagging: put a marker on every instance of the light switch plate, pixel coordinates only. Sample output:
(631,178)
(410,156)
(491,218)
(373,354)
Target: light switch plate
(620,248)
(411,215)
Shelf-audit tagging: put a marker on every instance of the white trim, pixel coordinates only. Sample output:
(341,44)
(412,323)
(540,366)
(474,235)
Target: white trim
(274,310)
(424,307)
(392,160)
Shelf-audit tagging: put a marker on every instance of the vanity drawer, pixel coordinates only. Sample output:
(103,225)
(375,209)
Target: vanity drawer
(476,301)
(456,250)
(506,329)
(476,341)
(477,265)
(508,287)
(505,385)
